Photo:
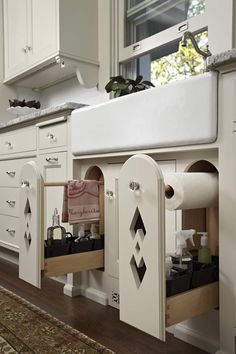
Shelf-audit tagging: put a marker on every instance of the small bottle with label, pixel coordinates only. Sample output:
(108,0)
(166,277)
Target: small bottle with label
(56,231)
(182,258)
(204,255)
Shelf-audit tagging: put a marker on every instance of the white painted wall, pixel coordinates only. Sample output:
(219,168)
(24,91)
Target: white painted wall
(71,91)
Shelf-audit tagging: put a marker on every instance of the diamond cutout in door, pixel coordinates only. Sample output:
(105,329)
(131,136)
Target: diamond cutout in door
(138,270)
(137,223)
(27,210)
(137,247)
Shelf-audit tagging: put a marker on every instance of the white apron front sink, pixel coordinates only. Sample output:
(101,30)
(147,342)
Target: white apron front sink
(180,113)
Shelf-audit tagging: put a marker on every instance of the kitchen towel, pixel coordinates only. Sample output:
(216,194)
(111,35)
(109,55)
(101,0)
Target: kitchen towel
(191,190)
(81,202)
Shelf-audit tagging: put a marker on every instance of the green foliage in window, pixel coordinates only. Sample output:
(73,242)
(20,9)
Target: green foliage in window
(180,65)
(196,7)
(121,86)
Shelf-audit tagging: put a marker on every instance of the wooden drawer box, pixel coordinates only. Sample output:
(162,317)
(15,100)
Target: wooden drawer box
(191,303)
(9,201)
(52,136)
(21,140)
(10,172)
(9,231)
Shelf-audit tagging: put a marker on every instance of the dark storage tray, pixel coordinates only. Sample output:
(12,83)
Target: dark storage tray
(81,246)
(204,274)
(98,244)
(178,283)
(58,248)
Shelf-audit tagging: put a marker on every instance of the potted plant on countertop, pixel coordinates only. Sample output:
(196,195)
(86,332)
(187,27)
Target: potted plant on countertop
(121,86)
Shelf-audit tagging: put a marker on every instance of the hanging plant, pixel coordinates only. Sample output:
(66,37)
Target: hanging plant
(121,86)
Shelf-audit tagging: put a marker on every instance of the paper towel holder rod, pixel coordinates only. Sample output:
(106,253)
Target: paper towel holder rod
(169,191)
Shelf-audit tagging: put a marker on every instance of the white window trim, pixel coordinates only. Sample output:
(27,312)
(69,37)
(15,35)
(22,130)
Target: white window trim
(218,18)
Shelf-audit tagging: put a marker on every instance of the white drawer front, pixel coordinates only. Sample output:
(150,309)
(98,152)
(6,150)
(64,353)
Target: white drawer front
(10,172)
(53,136)
(9,201)
(9,231)
(21,140)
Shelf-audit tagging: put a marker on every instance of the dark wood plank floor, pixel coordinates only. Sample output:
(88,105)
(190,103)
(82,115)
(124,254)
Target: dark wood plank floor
(98,322)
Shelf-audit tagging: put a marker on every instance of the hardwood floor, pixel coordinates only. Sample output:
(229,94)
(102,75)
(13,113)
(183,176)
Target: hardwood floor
(98,322)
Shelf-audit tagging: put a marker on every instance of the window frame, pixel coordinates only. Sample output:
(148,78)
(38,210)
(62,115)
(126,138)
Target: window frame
(217,18)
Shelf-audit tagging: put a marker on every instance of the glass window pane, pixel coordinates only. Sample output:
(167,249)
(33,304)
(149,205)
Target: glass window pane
(169,63)
(181,64)
(145,18)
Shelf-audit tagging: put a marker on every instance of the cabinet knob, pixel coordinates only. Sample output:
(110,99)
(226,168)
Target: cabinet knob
(134,186)
(52,159)
(25,49)
(25,184)
(11,173)
(11,202)
(11,231)
(28,47)
(9,144)
(51,137)
(109,194)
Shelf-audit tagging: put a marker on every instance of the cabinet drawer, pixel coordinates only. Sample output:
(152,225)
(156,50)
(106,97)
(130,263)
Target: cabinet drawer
(53,136)
(192,303)
(10,172)
(21,140)
(9,231)
(9,201)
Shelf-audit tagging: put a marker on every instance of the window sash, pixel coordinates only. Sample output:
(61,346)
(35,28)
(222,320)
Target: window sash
(218,20)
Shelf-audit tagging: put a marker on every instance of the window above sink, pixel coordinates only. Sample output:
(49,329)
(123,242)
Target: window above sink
(151,30)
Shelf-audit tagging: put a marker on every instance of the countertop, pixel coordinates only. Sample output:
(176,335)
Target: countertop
(222,59)
(36,115)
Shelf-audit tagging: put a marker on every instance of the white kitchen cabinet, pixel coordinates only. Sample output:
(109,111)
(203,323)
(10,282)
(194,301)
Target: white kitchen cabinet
(31,35)
(45,42)
(17,148)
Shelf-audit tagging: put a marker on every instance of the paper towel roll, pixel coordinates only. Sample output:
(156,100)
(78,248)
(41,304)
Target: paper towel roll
(191,190)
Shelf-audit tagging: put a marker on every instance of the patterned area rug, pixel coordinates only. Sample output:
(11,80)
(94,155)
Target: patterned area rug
(26,329)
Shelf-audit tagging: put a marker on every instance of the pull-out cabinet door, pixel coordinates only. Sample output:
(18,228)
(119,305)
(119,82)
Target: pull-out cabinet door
(30,242)
(143,302)
(142,245)
(31,237)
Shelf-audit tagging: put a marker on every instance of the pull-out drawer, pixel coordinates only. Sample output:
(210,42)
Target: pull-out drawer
(9,232)
(73,263)
(191,303)
(21,140)
(142,278)
(52,136)
(32,241)
(9,201)
(10,172)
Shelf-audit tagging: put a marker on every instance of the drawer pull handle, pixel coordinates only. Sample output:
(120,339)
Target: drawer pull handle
(11,202)
(25,184)
(51,137)
(109,194)
(11,173)
(11,231)
(52,159)
(134,186)
(9,144)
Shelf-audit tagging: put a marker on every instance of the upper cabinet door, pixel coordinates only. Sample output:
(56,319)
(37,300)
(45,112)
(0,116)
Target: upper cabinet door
(16,41)
(44,32)
(142,245)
